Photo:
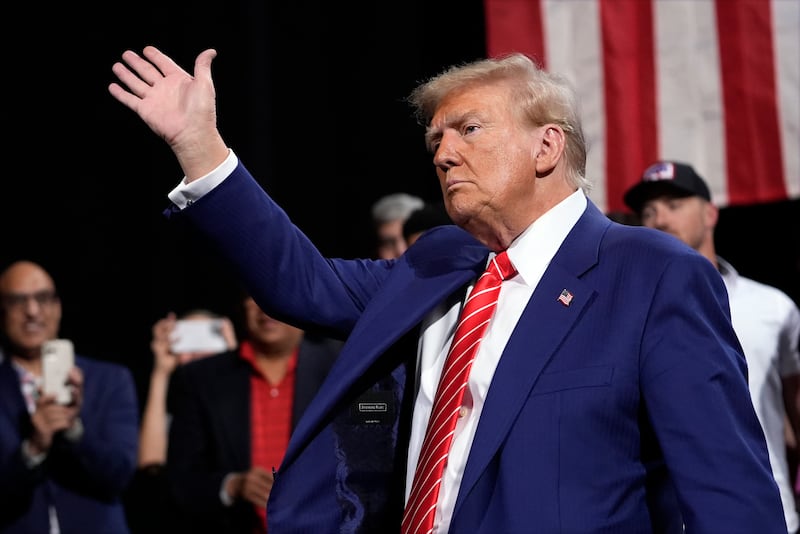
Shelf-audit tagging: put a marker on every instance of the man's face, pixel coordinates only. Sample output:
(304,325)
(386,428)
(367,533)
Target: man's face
(484,157)
(391,243)
(31,309)
(271,335)
(687,218)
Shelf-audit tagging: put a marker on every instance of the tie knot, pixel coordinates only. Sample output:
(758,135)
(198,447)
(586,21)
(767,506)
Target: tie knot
(501,266)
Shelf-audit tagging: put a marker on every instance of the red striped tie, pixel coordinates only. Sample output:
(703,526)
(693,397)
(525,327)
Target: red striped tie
(421,506)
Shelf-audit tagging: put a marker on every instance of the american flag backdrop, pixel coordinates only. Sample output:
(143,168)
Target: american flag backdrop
(714,83)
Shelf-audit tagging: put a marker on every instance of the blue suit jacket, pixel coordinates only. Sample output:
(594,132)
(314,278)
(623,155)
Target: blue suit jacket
(594,411)
(83,481)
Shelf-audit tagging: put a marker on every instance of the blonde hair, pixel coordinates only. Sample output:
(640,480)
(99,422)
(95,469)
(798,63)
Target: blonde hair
(540,98)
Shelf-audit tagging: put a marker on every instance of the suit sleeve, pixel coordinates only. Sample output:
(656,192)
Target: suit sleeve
(694,382)
(284,272)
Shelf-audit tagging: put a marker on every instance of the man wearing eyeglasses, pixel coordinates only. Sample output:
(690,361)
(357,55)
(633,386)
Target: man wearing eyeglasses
(63,467)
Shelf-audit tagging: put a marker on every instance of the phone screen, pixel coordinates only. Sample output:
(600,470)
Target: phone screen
(198,335)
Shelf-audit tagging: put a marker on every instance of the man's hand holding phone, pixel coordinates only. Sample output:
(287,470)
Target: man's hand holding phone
(58,357)
(59,405)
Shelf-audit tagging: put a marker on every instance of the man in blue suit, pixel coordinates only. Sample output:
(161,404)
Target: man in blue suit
(63,467)
(609,372)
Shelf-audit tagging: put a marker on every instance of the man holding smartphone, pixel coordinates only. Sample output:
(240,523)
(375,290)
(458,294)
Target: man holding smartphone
(64,463)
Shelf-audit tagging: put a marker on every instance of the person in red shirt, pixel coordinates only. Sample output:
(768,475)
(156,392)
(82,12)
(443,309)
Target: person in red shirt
(232,415)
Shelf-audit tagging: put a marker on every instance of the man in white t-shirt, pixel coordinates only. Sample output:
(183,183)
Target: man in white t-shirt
(673,198)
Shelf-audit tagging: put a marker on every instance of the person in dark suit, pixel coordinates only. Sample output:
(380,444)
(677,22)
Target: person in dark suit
(63,467)
(148,499)
(232,414)
(609,371)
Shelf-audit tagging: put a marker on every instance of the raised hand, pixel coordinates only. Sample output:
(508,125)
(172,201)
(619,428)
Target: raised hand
(177,106)
(164,361)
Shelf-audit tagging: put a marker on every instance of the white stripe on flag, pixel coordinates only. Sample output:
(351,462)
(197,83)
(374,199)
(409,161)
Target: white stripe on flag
(786,24)
(690,114)
(577,54)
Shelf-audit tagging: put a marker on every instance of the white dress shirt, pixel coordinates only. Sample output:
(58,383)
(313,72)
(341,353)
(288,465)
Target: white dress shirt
(767,323)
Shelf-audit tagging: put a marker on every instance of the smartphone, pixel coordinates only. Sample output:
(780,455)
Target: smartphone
(58,357)
(198,335)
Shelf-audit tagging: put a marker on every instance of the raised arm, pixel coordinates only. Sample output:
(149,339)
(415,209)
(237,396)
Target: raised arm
(153,431)
(177,106)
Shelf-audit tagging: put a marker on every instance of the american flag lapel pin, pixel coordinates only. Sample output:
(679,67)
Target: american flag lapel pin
(565,297)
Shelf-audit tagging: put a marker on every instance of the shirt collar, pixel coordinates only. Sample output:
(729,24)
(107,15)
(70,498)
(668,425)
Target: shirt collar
(533,250)
(729,274)
(248,354)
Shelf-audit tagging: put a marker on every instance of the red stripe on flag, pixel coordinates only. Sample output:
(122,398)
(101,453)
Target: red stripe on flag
(630,94)
(752,136)
(515,26)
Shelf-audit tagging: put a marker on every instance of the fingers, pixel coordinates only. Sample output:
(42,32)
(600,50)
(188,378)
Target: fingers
(137,74)
(75,385)
(164,327)
(165,64)
(161,344)
(229,333)
(202,65)
(146,70)
(256,496)
(257,485)
(128,98)
(75,376)
(51,417)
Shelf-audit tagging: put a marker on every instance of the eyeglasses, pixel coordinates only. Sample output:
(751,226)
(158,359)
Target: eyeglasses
(19,301)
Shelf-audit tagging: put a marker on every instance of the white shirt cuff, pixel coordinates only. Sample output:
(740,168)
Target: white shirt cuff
(226,499)
(31,460)
(184,194)
(75,432)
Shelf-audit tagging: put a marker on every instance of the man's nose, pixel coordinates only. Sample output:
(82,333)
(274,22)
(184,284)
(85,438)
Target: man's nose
(447,155)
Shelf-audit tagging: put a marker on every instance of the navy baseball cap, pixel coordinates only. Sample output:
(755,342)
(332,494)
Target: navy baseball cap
(666,178)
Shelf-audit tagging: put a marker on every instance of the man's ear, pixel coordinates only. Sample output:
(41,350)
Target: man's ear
(711,214)
(550,150)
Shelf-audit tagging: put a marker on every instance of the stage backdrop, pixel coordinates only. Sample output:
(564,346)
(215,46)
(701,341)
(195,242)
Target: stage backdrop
(715,83)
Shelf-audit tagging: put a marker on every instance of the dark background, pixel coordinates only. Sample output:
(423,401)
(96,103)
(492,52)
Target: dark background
(310,96)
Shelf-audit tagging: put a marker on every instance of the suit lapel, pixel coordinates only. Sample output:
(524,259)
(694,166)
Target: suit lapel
(10,390)
(423,278)
(545,322)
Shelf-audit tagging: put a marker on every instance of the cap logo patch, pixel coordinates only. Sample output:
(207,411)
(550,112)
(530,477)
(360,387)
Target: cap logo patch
(659,171)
